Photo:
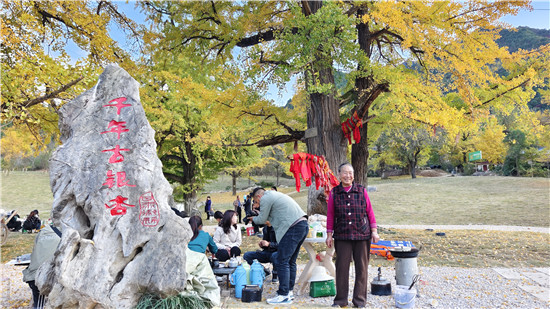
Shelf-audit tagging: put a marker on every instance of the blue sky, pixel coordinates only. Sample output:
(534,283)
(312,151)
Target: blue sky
(539,18)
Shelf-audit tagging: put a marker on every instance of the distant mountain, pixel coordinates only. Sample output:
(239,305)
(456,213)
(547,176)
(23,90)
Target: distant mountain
(523,37)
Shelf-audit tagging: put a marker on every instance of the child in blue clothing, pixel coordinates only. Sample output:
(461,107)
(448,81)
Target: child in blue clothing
(200,240)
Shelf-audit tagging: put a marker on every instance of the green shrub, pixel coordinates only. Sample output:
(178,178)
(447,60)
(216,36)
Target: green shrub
(149,301)
(265,184)
(469,169)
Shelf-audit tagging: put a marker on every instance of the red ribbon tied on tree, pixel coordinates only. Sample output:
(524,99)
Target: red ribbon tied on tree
(353,125)
(311,167)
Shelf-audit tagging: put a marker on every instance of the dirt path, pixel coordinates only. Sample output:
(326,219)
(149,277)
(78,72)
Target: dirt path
(506,228)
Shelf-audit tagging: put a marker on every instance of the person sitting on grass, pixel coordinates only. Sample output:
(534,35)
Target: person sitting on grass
(200,240)
(32,222)
(228,237)
(268,254)
(13,225)
(218,215)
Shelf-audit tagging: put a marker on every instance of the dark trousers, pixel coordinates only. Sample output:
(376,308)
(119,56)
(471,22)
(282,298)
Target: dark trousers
(263,256)
(288,249)
(35,293)
(239,210)
(359,250)
(223,255)
(27,225)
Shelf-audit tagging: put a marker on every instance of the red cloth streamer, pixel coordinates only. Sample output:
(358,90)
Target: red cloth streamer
(352,125)
(309,167)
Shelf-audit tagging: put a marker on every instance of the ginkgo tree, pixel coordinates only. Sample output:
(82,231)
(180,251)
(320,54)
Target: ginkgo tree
(408,52)
(202,117)
(38,73)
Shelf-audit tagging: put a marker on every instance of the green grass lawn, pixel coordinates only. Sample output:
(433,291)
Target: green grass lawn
(463,201)
(441,201)
(26,191)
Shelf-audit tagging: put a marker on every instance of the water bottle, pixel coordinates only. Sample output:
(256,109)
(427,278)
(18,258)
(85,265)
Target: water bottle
(257,273)
(238,279)
(246,267)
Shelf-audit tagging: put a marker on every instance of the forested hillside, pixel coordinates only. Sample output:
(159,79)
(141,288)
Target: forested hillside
(523,37)
(526,38)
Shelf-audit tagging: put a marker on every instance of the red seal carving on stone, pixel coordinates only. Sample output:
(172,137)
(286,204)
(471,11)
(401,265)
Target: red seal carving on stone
(149,214)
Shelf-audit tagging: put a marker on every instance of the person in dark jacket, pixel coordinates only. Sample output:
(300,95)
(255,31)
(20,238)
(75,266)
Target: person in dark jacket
(32,222)
(251,212)
(268,252)
(208,207)
(13,225)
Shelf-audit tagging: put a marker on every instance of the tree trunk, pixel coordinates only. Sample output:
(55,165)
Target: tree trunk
(367,90)
(383,174)
(412,168)
(360,157)
(234,176)
(190,199)
(323,117)
(329,142)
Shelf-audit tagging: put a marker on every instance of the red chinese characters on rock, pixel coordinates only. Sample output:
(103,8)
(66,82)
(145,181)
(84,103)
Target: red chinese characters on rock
(118,206)
(119,104)
(116,157)
(148,210)
(116,127)
(120,180)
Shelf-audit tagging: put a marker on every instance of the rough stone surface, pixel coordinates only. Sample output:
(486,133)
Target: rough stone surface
(108,258)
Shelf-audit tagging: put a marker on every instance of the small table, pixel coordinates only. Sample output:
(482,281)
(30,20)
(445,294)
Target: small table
(224,271)
(328,264)
(22,260)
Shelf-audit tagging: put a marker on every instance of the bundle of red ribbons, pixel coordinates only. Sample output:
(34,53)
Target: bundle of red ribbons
(311,166)
(352,125)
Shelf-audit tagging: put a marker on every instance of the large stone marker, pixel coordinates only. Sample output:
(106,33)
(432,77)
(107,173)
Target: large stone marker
(120,237)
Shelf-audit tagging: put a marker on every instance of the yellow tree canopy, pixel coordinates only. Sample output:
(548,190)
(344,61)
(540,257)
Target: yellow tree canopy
(38,73)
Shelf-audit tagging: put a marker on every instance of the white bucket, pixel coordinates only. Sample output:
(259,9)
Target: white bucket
(404,298)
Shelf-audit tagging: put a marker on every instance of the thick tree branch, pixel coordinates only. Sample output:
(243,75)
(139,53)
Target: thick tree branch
(173,158)
(369,97)
(470,11)
(121,17)
(289,129)
(173,177)
(50,95)
(46,16)
(256,39)
(266,36)
(156,9)
(276,140)
(305,8)
(501,94)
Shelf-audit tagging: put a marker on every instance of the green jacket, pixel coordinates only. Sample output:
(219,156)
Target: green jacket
(281,210)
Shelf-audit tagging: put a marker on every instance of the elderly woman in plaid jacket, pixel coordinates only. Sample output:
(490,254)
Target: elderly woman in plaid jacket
(351,226)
